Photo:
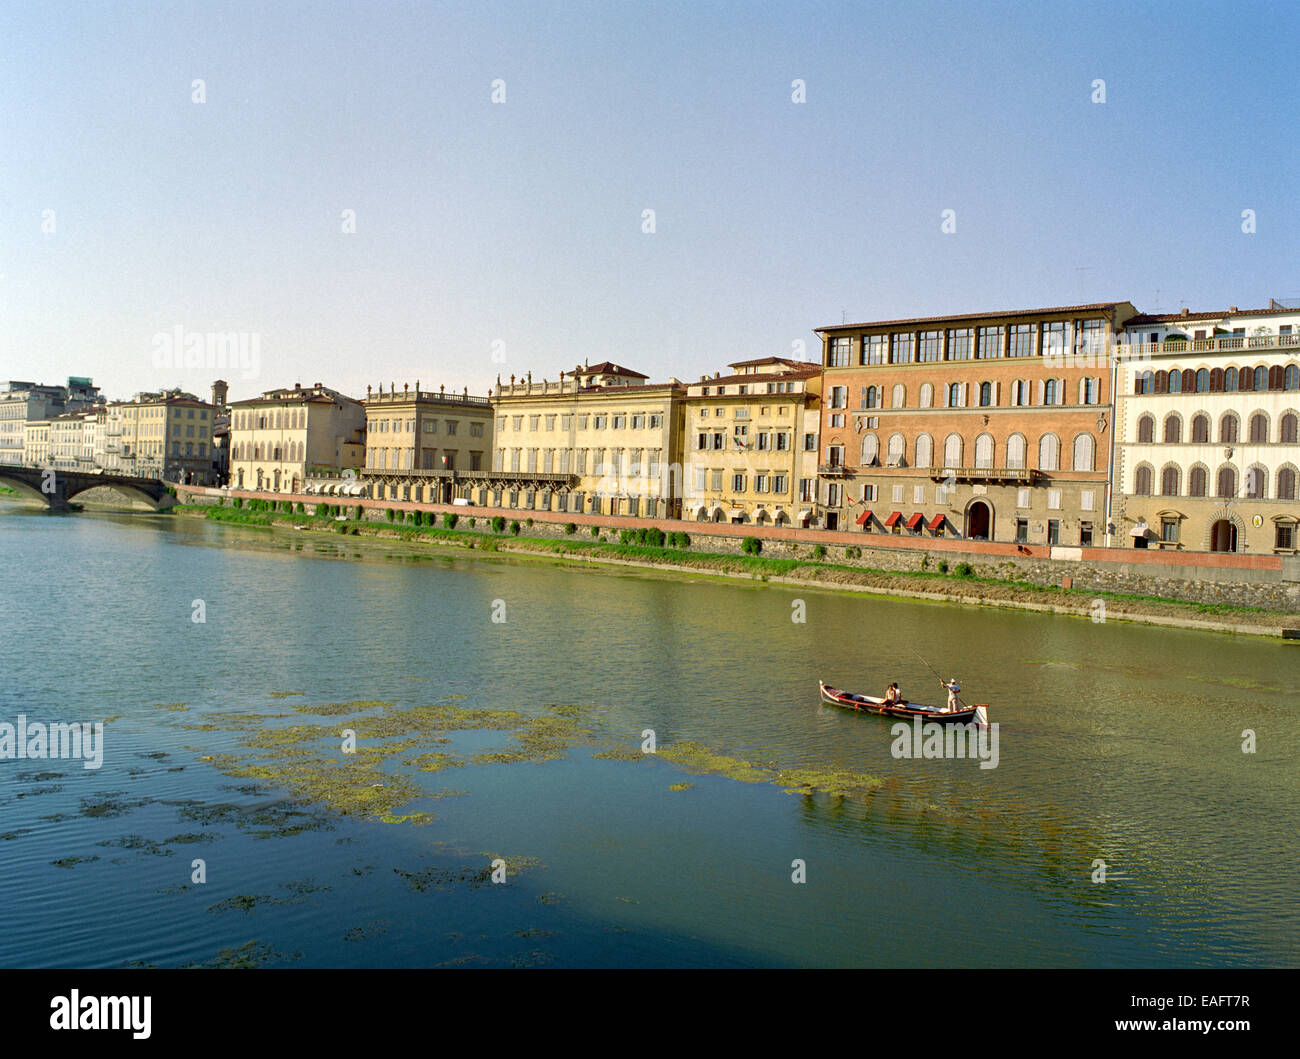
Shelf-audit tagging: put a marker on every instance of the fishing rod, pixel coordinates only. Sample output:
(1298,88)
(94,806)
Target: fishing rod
(932,669)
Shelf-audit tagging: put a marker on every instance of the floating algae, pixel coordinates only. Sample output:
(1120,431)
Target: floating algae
(111,803)
(375,928)
(285,694)
(247,956)
(696,757)
(38,777)
(140,844)
(621,753)
(540,739)
(173,707)
(243,903)
(680,786)
(68,862)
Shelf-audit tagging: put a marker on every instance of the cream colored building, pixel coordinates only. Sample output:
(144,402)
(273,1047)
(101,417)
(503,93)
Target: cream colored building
(423,430)
(751,443)
(36,442)
(616,435)
(1208,409)
(285,436)
(164,435)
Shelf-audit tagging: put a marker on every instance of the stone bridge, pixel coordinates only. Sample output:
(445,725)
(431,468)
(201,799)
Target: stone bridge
(55,487)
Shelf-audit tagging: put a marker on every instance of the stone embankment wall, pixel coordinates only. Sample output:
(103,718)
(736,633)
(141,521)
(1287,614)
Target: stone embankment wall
(1270,581)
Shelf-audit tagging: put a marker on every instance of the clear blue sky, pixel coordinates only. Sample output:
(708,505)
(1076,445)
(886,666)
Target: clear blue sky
(520,223)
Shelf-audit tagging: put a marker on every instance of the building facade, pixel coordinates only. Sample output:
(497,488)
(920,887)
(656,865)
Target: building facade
(423,430)
(1207,454)
(751,443)
(612,438)
(21,402)
(985,426)
(280,439)
(160,435)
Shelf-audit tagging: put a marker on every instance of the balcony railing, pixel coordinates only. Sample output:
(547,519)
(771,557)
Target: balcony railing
(1219,344)
(983,474)
(833,470)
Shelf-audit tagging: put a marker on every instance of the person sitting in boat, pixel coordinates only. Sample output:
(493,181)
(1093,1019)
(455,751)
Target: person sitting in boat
(953,689)
(893,697)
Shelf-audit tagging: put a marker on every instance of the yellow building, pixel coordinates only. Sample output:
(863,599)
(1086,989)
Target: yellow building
(616,435)
(279,440)
(164,435)
(751,441)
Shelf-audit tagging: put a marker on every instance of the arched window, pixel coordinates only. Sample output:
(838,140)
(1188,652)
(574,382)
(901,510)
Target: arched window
(1291,378)
(1228,430)
(870,449)
(986,394)
(1201,428)
(1245,379)
(1016,451)
(1083,453)
(1287,431)
(1202,381)
(1216,380)
(1226,485)
(1196,481)
(1256,482)
(1175,382)
(952,450)
(1261,378)
(1144,382)
(1049,452)
(899,397)
(1146,429)
(1231,376)
(924,450)
(1142,480)
(954,395)
(1259,428)
(1189,380)
(984,450)
(1275,377)
(897,447)
(1173,430)
(927,395)
(873,397)
(1169,481)
(1050,391)
(1286,483)
(1162,382)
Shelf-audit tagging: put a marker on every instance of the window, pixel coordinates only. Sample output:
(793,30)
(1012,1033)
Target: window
(897,446)
(1284,539)
(918,494)
(1169,481)
(952,451)
(717,440)
(1169,530)
(898,397)
(780,484)
(837,420)
(783,441)
(1196,481)
(1022,498)
(990,344)
(810,443)
(986,394)
(1016,451)
(1173,430)
(872,398)
(1146,429)
(1053,500)
(901,348)
(1022,531)
(870,450)
(898,494)
(924,450)
(638,422)
(760,483)
(874,348)
(1089,391)
(1259,428)
(600,422)
(1087,500)
(1054,340)
(1228,430)
(1287,429)
(960,342)
(955,395)
(927,395)
(1083,452)
(1022,340)
(1202,381)
(620,422)
(839,397)
(737,483)
(1256,482)
(984,450)
(1085,534)
(1226,483)
(764,442)
(1053,531)
(931,346)
(1050,392)
(1020,392)
(1049,452)
(1142,481)
(840,352)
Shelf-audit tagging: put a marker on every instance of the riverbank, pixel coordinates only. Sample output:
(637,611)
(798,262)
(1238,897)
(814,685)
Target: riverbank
(602,546)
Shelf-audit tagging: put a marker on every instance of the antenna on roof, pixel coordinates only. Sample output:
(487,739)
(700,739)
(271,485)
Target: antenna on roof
(844,316)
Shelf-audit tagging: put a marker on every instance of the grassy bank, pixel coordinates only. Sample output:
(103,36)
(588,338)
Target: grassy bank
(499,535)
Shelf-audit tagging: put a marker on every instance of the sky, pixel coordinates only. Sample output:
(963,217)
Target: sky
(499,238)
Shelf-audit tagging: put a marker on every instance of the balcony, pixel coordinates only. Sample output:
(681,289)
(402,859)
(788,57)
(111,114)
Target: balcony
(833,470)
(1219,344)
(1023,475)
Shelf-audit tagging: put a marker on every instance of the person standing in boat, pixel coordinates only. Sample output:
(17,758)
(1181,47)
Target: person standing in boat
(953,689)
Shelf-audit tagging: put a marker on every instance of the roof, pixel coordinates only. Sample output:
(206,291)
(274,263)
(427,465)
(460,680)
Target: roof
(771,376)
(769,360)
(1095,307)
(1160,318)
(607,367)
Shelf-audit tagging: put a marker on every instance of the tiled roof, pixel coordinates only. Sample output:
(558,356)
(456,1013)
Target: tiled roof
(1095,307)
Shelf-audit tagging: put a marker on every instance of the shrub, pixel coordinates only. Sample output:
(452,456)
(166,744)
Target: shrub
(498,523)
(854,552)
(301,508)
(964,570)
(595,531)
(237,502)
(751,546)
(514,528)
(819,551)
(570,528)
(359,513)
(450,519)
(471,526)
(625,536)
(390,514)
(530,522)
(942,566)
(655,537)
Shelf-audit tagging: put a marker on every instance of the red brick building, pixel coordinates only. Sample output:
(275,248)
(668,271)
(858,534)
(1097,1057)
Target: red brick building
(987,426)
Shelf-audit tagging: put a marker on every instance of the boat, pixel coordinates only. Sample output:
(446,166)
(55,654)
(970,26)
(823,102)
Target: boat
(906,710)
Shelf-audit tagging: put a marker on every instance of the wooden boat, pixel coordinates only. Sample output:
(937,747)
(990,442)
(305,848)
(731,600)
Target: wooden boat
(906,710)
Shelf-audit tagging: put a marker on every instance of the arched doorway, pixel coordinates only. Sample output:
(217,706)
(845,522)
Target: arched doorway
(979,521)
(1223,536)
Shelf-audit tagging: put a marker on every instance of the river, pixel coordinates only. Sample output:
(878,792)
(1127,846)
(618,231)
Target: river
(1123,824)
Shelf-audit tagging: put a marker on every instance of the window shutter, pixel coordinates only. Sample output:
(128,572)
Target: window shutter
(1042,389)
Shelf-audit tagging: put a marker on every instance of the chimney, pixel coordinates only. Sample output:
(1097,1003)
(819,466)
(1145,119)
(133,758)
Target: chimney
(1232,308)
(1186,312)
(717,374)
